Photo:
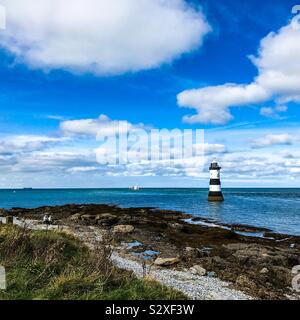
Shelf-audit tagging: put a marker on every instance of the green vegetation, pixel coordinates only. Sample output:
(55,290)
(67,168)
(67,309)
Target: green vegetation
(55,266)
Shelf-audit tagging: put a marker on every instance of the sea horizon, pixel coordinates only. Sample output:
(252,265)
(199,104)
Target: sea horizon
(277,209)
(93,188)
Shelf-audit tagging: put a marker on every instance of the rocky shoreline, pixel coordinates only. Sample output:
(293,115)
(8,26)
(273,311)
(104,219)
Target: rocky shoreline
(260,267)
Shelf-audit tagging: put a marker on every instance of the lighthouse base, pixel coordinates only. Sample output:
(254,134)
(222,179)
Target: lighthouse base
(215,196)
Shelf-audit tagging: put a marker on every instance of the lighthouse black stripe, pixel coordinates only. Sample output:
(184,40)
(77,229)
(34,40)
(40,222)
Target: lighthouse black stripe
(215,194)
(215,182)
(214,167)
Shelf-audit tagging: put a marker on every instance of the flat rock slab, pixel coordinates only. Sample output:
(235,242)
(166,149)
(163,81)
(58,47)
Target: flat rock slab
(123,229)
(166,262)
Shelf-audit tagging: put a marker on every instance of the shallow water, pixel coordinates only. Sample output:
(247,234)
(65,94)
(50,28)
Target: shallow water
(276,209)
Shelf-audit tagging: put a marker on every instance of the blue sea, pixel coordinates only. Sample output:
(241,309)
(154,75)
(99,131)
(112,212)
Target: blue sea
(276,209)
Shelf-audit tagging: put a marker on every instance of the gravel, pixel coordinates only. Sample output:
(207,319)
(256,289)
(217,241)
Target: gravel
(195,287)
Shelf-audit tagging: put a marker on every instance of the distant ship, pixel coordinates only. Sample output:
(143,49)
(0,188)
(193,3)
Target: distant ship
(135,188)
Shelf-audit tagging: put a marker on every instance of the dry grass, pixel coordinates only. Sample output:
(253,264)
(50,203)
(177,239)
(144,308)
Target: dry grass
(53,265)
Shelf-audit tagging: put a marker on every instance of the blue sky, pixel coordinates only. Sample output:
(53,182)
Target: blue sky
(169,64)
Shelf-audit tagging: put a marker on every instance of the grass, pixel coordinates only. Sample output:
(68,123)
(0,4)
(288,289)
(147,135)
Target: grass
(55,266)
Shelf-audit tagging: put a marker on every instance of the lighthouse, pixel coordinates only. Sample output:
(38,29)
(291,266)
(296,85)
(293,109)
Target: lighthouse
(215,192)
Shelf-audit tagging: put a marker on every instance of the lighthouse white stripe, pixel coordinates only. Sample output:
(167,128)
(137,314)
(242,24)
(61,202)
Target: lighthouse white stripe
(215,188)
(215,174)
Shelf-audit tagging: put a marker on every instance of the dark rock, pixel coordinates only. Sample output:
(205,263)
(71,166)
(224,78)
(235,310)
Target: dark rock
(219,262)
(236,246)
(256,255)
(176,226)
(88,217)
(281,276)
(106,219)
(244,282)
(190,253)
(76,217)
(3,212)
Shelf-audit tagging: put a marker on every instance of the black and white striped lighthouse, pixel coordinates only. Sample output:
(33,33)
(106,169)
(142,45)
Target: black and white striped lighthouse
(215,192)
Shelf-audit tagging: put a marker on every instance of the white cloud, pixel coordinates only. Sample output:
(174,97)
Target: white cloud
(138,164)
(95,127)
(278,63)
(27,143)
(55,117)
(101,36)
(73,165)
(210,149)
(81,169)
(273,112)
(281,108)
(212,103)
(278,78)
(274,139)
(288,155)
(295,170)
(267,112)
(250,166)
(53,161)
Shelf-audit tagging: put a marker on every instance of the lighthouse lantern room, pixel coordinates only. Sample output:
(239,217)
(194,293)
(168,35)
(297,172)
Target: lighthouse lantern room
(215,192)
